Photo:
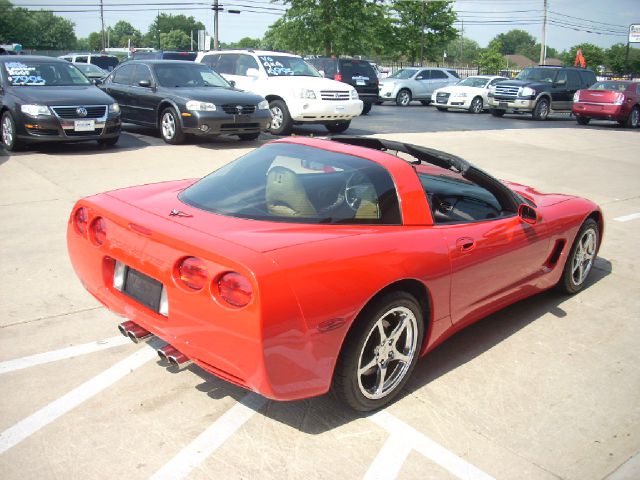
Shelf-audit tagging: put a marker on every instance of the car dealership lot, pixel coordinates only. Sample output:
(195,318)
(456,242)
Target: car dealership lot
(548,388)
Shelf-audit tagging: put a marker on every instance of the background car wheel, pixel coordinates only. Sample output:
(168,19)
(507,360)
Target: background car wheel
(496,112)
(583,120)
(170,127)
(108,142)
(403,98)
(442,109)
(581,257)
(281,123)
(633,120)
(541,112)
(476,105)
(338,127)
(249,136)
(425,102)
(366,108)
(380,352)
(8,135)
(379,102)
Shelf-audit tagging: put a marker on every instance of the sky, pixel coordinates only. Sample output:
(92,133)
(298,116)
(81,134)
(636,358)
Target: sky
(570,22)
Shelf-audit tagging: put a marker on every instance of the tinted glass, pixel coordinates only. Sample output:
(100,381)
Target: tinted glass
(123,75)
(88,68)
(357,68)
(81,59)
(244,63)
(142,73)
(227,64)
(43,73)
(538,75)
(105,62)
(573,80)
(179,75)
(299,184)
(438,75)
(211,60)
(613,86)
(327,65)
(281,66)
(403,74)
(453,73)
(478,82)
(187,56)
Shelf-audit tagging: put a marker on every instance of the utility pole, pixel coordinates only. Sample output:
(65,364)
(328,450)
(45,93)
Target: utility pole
(216,8)
(461,40)
(102,21)
(422,35)
(543,44)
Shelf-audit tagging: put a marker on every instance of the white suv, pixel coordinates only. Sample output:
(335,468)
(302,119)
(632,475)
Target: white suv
(296,92)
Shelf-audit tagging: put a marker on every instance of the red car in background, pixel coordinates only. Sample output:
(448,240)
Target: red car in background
(609,100)
(311,265)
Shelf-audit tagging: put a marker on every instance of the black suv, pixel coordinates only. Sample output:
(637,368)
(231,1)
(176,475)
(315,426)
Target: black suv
(539,91)
(357,73)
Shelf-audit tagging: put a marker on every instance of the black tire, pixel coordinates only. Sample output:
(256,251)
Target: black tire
(366,345)
(496,112)
(403,98)
(249,136)
(425,102)
(366,108)
(633,120)
(442,109)
(477,105)
(281,123)
(541,111)
(581,256)
(338,127)
(8,137)
(108,142)
(379,102)
(582,120)
(170,127)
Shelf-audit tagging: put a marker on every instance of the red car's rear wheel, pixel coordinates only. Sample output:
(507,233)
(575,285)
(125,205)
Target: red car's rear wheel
(581,258)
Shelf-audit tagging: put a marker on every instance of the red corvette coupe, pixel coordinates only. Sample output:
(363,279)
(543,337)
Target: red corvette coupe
(609,100)
(312,265)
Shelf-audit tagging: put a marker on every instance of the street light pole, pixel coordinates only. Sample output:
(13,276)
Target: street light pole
(216,8)
(102,21)
(543,44)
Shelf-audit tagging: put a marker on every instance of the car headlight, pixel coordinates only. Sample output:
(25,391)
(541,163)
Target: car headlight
(263,105)
(354,95)
(114,108)
(35,110)
(306,93)
(492,89)
(527,92)
(197,106)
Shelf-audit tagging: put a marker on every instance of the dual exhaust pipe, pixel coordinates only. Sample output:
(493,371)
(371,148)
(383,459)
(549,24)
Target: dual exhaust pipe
(167,353)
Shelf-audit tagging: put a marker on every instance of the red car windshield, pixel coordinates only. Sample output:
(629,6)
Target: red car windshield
(295,183)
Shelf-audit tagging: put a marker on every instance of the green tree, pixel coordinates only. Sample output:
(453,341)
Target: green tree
(593,55)
(175,40)
(122,32)
(533,52)
(166,23)
(513,41)
(423,27)
(615,59)
(39,29)
(491,60)
(463,50)
(245,42)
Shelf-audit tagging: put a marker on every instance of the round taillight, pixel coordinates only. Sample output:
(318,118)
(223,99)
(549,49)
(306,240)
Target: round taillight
(80,220)
(235,289)
(98,230)
(192,273)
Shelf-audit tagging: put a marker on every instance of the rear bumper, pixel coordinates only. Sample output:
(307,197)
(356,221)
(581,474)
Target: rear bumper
(606,112)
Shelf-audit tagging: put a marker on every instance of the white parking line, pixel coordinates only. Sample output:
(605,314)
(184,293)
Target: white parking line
(627,218)
(427,447)
(389,461)
(211,439)
(63,353)
(30,425)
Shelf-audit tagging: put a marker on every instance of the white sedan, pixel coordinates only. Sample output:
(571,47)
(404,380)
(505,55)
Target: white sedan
(469,94)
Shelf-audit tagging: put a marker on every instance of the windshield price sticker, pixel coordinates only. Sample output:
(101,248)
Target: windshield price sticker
(21,74)
(274,67)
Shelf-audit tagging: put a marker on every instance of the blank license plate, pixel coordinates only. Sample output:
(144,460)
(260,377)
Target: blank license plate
(143,289)
(84,125)
(502,104)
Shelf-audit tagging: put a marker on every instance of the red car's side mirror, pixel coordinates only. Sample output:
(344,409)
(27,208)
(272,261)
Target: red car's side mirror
(528,214)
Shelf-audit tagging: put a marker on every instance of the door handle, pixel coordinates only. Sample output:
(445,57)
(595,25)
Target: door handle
(465,244)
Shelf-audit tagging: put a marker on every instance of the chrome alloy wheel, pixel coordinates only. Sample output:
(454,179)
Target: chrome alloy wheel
(7,131)
(583,256)
(635,118)
(404,98)
(277,117)
(168,125)
(476,105)
(387,353)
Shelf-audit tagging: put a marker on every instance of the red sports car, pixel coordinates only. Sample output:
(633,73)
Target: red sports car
(609,100)
(312,265)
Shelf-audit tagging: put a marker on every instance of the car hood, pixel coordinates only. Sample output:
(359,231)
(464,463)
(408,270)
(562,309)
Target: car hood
(77,95)
(212,94)
(525,83)
(161,199)
(458,88)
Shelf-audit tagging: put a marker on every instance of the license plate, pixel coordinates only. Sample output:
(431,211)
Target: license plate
(84,125)
(360,82)
(241,118)
(339,109)
(502,104)
(143,289)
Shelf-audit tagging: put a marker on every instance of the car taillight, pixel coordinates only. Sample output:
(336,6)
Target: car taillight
(192,272)
(619,99)
(98,230)
(235,289)
(80,219)
(576,96)
(338,77)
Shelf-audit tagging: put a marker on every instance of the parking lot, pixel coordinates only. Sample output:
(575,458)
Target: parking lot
(547,388)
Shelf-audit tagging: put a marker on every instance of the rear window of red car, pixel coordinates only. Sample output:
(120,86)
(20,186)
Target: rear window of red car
(296,183)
